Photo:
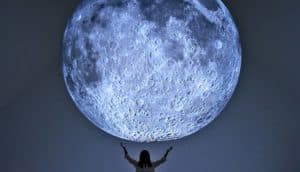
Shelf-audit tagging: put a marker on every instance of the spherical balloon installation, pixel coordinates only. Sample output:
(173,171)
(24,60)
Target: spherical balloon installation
(151,70)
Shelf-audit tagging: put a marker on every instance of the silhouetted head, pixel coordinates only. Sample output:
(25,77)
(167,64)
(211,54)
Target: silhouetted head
(145,160)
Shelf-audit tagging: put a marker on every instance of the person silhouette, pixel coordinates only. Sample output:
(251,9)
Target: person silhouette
(144,164)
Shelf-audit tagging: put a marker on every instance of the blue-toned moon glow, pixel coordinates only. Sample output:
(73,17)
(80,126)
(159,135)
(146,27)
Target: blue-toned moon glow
(151,70)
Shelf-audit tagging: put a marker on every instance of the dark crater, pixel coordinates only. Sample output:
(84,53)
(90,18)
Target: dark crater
(90,73)
(160,13)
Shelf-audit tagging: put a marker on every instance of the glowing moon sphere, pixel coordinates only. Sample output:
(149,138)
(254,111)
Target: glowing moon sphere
(151,70)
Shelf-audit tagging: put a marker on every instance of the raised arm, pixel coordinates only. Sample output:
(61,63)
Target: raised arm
(130,160)
(163,159)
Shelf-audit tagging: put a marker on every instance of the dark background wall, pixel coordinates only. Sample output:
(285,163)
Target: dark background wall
(42,130)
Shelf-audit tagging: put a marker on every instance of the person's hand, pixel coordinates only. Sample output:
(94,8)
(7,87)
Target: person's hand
(170,148)
(124,148)
(167,152)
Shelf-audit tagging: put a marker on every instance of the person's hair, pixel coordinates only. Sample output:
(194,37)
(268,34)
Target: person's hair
(144,159)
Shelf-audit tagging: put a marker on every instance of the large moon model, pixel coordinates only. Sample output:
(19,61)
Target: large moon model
(151,70)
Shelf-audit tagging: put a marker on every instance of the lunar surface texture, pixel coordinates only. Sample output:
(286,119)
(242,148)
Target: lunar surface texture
(151,70)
